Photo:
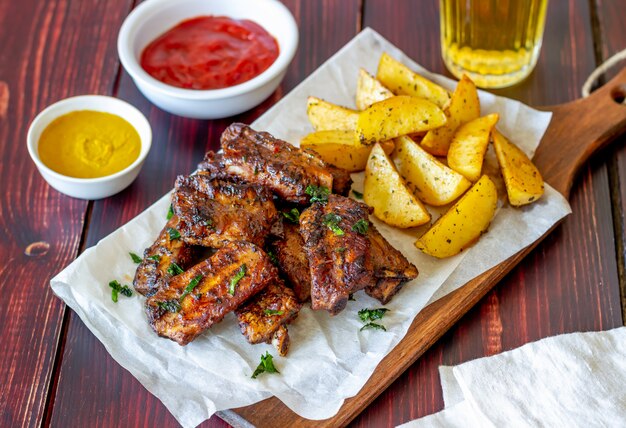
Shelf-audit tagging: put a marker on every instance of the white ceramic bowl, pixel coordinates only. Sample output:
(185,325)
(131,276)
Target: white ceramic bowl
(90,188)
(154,17)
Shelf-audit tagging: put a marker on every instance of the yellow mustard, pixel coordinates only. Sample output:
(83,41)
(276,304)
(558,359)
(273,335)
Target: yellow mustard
(89,144)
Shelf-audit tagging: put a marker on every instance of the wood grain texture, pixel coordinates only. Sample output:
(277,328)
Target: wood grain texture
(50,50)
(93,389)
(610,18)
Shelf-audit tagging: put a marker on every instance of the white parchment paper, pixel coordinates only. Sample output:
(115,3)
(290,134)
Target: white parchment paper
(330,358)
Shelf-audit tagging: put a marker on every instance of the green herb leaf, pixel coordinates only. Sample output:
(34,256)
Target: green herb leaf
(272,312)
(266,365)
(173,269)
(361,226)
(117,288)
(357,195)
(235,279)
(174,234)
(155,257)
(332,221)
(169,305)
(189,288)
(293,215)
(317,193)
(372,314)
(273,258)
(373,325)
(135,257)
(170,212)
(340,250)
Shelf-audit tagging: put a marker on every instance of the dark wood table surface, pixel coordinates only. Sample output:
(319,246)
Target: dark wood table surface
(53,371)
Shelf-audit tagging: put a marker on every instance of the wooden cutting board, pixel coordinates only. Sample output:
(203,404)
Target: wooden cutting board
(577,130)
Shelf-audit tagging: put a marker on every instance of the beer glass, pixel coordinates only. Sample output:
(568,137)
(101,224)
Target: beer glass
(495,42)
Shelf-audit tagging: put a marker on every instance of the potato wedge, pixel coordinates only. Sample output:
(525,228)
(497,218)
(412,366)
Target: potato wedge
(328,116)
(396,116)
(464,106)
(338,148)
(401,80)
(432,181)
(462,224)
(386,192)
(523,181)
(469,145)
(369,91)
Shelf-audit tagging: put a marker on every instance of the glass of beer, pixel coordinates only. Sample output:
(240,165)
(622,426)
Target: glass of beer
(495,42)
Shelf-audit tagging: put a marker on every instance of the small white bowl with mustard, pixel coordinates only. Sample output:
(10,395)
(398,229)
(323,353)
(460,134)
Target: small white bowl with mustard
(90,146)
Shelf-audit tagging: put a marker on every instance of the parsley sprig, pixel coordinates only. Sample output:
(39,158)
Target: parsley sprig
(357,195)
(293,215)
(170,212)
(189,288)
(169,305)
(117,288)
(272,312)
(369,315)
(173,233)
(317,193)
(265,366)
(235,279)
(173,269)
(361,226)
(135,257)
(331,220)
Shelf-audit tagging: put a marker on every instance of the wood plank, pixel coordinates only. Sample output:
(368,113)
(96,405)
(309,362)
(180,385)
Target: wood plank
(569,282)
(610,16)
(50,50)
(93,388)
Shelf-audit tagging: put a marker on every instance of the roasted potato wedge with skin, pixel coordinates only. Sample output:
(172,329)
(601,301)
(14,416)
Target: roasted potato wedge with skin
(522,179)
(338,148)
(369,91)
(328,116)
(396,116)
(469,144)
(464,106)
(386,192)
(462,224)
(401,80)
(432,181)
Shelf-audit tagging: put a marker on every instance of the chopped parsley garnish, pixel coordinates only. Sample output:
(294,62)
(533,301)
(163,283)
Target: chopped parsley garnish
(156,258)
(169,305)
(272,312)
(293,215)
(192,284)
(170,212)
(266,365)
(273,258)
(361,226)
(317,193)
(357,195)
(117,288)
(135,257)
(372,314)
(235,279)
(173,269)
(340,250)
(369,315)
(374,326)
(174,234)
(332,221)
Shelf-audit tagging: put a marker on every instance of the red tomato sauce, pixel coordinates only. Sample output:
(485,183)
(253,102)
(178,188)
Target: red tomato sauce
(210,52)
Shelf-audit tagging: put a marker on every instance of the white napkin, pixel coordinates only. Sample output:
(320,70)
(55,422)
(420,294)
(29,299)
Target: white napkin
(571,380)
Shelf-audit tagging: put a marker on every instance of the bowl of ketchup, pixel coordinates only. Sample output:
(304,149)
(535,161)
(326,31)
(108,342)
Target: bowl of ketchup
(207,59)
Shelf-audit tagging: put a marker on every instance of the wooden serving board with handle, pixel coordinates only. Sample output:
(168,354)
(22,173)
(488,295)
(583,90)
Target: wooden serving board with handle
(577,130)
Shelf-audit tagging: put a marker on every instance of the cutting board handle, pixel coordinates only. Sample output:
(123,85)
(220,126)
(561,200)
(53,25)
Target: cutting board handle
(578,129)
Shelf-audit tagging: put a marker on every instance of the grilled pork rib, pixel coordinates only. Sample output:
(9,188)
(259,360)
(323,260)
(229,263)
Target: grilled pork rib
(391,269)
(339,256)
(159,257)
(258,157)
(214,211)
(265,313)
(201,296)
(293,262)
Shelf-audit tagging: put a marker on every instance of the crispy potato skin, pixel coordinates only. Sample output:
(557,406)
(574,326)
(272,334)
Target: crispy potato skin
(385,191)
(326,116)
(369,90)
(463,223)
(523,181)
(469,145)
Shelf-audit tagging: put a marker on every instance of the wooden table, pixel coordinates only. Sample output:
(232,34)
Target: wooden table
(53,371)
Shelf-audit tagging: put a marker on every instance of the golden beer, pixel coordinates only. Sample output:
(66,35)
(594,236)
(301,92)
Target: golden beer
(495,42)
